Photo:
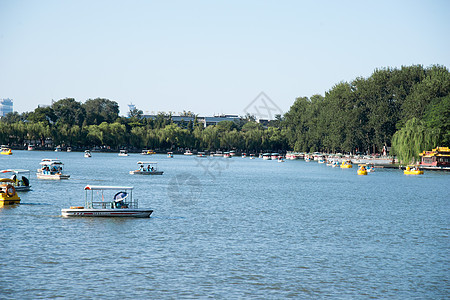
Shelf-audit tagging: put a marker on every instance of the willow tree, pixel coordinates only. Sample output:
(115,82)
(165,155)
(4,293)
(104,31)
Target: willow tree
(412,139)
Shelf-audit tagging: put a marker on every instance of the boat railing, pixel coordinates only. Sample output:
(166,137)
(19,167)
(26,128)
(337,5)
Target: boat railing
(112,204)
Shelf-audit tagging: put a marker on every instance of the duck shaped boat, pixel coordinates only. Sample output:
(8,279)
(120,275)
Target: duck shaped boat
(5,150)
(362,170)
(412,170)
(346,164)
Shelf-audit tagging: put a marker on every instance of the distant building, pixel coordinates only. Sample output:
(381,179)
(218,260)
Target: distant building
(6,106)
(206,121)
(131,107)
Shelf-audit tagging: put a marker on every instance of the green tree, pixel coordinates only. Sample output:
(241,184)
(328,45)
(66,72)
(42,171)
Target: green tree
(68,111)
(412,139)
(101,110)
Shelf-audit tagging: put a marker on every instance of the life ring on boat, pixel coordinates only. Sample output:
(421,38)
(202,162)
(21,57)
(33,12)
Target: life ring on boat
(10,190)
(76,207)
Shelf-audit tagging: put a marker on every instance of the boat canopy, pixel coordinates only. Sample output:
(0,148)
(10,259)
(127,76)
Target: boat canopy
(6,180)
(146,163)
(15,171)
(107,187)
(47,161)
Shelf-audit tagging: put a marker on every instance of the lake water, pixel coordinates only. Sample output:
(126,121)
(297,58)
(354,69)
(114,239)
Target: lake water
(228,228)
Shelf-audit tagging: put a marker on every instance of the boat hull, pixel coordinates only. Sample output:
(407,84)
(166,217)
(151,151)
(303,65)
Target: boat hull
(52,177)
(22,188)
(146,173)
(420,172)
(9,202)
(125,212)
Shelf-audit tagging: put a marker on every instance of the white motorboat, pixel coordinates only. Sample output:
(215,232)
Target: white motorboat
(147,168)
(188,152)
(51,169)
(87,153)
(266,156)
(20,184)
(201,154)
(123,153)
(110,201)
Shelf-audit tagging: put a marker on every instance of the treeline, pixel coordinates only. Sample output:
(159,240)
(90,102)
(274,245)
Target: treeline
(96,123)
(406,108)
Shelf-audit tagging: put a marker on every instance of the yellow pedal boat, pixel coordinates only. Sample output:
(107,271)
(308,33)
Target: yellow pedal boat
(362,170)
(412,170)
(8,194)
(5,150)
(346,164)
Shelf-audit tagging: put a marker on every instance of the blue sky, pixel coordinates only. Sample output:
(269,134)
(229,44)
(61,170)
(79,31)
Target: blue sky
(207,56)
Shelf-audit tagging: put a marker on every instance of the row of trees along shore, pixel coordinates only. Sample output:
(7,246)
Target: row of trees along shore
(405,108)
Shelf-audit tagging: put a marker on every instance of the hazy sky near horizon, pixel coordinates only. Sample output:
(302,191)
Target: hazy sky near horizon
(208,56)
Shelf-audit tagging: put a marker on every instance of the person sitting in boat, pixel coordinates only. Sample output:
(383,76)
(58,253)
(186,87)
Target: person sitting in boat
(148,168)
(119,200)
(141,168)
(121,204)
(152,169)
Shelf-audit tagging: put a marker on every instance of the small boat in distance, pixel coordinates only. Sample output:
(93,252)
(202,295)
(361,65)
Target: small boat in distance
(58,149)
(170,154)
(5,150)
(226,155)
(346,164)
(22,184)
(121,203)
(412,170)
(362,170)
(188,152)
(8,194)
(267,156)
(123,153)
(147,152)
(252,156)
(201,154)
(51,169)
(69,149)
(31,147)
(146,168)
(87,153)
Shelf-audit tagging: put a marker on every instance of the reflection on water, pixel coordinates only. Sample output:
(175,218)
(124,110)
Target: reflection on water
(254,229)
